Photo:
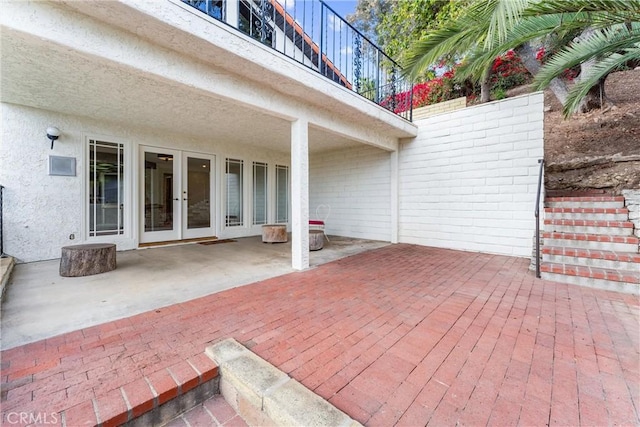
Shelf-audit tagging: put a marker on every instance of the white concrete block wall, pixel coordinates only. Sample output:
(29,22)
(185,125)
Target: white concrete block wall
(468,181)
(356,184)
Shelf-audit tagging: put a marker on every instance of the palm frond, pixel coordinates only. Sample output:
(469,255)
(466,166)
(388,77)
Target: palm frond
(485,22)
(617,7)
(600,44)
(479,61)
(430,49)
(595,13)
(503,16)
(595,73)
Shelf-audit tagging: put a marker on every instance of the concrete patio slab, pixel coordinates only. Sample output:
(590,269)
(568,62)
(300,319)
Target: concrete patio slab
(401,335)
(39,303)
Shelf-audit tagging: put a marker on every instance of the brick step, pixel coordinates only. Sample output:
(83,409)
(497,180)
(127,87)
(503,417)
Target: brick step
(592,272)
(592,258)
(592,214)
(214,411)
(613,228)
(591,241)
(151,400)
(618,281)
(585,202)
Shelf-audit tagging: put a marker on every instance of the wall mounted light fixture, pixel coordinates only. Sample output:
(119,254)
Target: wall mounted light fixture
(53,133)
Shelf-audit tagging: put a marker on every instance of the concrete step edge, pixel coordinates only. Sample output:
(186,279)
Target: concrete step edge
(591,245)
(586,210)
(6,267)
(589,237)
(624,276)
(619,256)
(264,395)
(591,262)
(587,216)
(588,223)
(588,229)
(585,199)
(585,205)
(606,285)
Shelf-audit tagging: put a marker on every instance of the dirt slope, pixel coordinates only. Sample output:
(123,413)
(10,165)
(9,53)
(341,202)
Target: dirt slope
(599,150)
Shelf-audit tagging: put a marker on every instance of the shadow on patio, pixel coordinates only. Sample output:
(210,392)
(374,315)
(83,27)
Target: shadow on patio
(400,335)
(39,303)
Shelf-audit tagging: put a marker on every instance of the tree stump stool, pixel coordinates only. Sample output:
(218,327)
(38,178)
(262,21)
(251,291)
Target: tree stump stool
(274,233)
(85,260)
(316,240)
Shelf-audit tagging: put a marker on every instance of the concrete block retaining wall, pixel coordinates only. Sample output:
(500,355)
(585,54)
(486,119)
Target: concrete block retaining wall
(468,181)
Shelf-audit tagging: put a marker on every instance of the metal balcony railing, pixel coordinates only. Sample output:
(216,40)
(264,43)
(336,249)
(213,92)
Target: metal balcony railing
(313,34)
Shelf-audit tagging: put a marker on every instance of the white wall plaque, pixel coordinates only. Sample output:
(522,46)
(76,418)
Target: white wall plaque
(64,166)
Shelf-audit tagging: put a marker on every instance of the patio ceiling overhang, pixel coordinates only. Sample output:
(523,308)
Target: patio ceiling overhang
(160,66)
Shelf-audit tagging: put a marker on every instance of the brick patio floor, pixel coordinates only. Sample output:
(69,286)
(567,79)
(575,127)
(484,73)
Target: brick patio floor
(403,335)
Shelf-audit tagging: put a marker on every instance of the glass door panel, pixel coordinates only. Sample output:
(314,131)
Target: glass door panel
(161,183)
(197,195)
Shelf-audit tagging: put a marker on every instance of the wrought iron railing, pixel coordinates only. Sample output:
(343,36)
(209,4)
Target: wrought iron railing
(313,34)
(537,215)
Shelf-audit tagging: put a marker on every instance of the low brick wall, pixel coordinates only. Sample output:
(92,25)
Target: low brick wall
(442,107)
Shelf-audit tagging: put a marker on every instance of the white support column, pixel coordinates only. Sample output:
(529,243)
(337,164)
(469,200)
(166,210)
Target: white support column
(395,185)
(300,194)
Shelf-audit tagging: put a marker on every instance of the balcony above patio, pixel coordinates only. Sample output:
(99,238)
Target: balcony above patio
(170,66)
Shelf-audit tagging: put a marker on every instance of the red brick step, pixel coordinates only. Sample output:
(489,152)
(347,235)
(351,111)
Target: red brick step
(632,277)
(142,396)
(594,254)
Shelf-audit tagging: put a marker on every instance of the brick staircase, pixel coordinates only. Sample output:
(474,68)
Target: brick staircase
(590,241)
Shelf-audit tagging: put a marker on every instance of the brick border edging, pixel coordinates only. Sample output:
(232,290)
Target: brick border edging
(146,394)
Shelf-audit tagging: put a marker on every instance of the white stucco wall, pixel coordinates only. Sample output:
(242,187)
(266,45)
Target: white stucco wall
(42,211)
(468,181)
(356,184)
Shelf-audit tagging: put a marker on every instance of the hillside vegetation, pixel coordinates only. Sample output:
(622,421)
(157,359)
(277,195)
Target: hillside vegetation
(599,150)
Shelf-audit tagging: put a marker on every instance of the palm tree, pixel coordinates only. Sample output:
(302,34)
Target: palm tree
(608,36)
(482,25)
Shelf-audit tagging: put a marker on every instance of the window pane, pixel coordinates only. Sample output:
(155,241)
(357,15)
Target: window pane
(106,188)
(233,178)
(282,194)
(259,193)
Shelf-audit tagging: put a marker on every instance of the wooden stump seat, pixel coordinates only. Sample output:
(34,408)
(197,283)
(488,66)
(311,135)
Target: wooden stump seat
(85,260)
(274,233)
(316,240)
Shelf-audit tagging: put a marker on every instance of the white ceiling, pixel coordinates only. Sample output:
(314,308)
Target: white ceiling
(41,74)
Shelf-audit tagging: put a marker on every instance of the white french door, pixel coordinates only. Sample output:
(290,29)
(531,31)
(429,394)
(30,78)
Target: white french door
(177,195)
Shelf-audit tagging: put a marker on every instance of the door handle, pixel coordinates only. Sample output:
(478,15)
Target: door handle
(176,199)
(184,199)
